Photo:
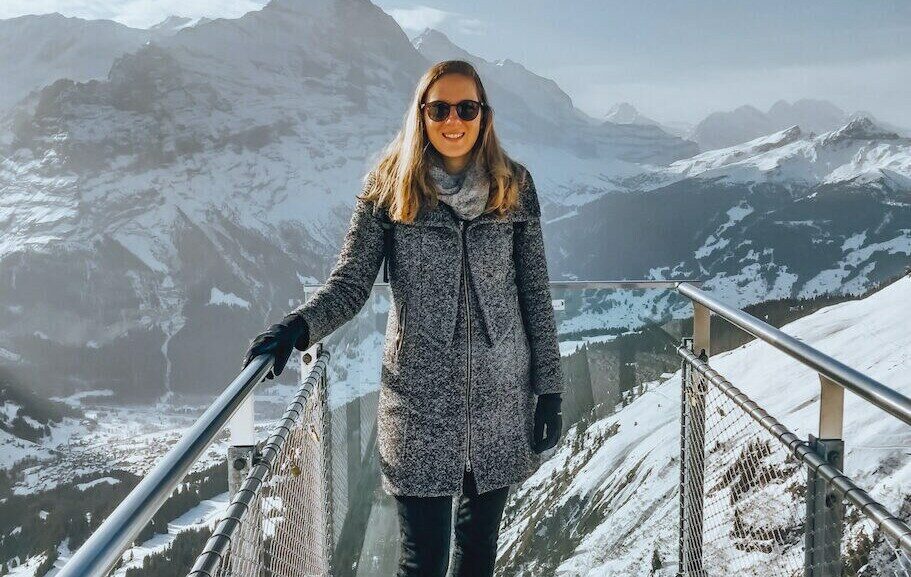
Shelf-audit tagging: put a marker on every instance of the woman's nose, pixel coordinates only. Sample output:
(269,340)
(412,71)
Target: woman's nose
(453,117)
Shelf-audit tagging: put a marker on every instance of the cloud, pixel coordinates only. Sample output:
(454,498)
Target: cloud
(135,13)
(417,18)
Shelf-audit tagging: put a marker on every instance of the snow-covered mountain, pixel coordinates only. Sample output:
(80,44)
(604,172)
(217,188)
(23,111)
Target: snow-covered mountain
(606,503)
(789,214)
(156,219)
(195,188)
(512,82)
(724,129)
(37,50)
(626,113)
(859,149)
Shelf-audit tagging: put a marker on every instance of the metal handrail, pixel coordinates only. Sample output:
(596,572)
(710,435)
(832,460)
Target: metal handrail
(105,546)
(867,388)
(584,284)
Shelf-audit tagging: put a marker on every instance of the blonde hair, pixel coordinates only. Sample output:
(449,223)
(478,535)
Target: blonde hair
(402,182)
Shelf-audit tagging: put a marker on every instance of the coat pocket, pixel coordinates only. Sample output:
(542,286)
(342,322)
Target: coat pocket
(400,334)
(394,335)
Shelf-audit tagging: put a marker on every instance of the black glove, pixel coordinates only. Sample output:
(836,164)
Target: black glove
(279,339)
(548,413)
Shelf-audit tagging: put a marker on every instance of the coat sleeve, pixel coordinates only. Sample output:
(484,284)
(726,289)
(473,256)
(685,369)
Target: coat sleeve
(349,284)
(534,296)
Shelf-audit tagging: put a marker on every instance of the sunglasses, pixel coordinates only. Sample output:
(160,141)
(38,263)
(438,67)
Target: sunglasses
(438,110)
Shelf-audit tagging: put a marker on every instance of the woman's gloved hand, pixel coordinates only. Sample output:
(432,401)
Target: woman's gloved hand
(279,339)
(548,413)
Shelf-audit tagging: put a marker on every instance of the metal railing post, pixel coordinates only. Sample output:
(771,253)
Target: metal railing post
(825,510)
(695,387)
(241,456)
(831,409)
(326,442)
(686,342)
(702,329)
(241,444)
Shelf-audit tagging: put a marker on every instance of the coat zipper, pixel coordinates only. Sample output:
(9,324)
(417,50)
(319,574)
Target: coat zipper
(468,364)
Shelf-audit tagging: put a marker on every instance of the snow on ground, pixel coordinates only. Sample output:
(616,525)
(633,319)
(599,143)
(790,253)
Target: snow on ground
(90,484)
(217,297)
(204,514)
(631,476)
(126,438)
(28,568)
(13,450)
(855,253)
(715,241)
(75,400)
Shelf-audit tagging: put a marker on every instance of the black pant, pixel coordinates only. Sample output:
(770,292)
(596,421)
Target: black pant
(425,524)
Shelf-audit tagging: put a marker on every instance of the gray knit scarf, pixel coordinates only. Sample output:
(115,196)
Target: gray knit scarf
(466,191)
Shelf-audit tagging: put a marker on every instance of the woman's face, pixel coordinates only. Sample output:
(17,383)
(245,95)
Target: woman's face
(453,137)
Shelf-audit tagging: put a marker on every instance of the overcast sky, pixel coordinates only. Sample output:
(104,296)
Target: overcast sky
(674,60)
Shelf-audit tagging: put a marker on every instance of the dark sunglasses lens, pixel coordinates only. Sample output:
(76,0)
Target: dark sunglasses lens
(438,111)
(468,110)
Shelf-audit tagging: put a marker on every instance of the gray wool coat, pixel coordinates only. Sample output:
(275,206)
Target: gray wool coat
(467,348)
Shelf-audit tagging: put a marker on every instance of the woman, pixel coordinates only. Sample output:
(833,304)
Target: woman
(471,368)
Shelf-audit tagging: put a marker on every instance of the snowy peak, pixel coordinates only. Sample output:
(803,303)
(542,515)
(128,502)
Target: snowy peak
(861,128)
(511,76)
(626,113)
(725,156)
(777,140)
(723,129)
(857,149)
(436,46)
(173,24)
(543,113)
(322,42)
(35,51)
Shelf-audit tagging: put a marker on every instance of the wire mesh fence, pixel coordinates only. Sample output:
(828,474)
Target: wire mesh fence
(751,505)
(744,486)
(279,523)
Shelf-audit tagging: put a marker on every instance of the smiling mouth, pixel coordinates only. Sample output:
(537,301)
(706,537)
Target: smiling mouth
(453,135)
